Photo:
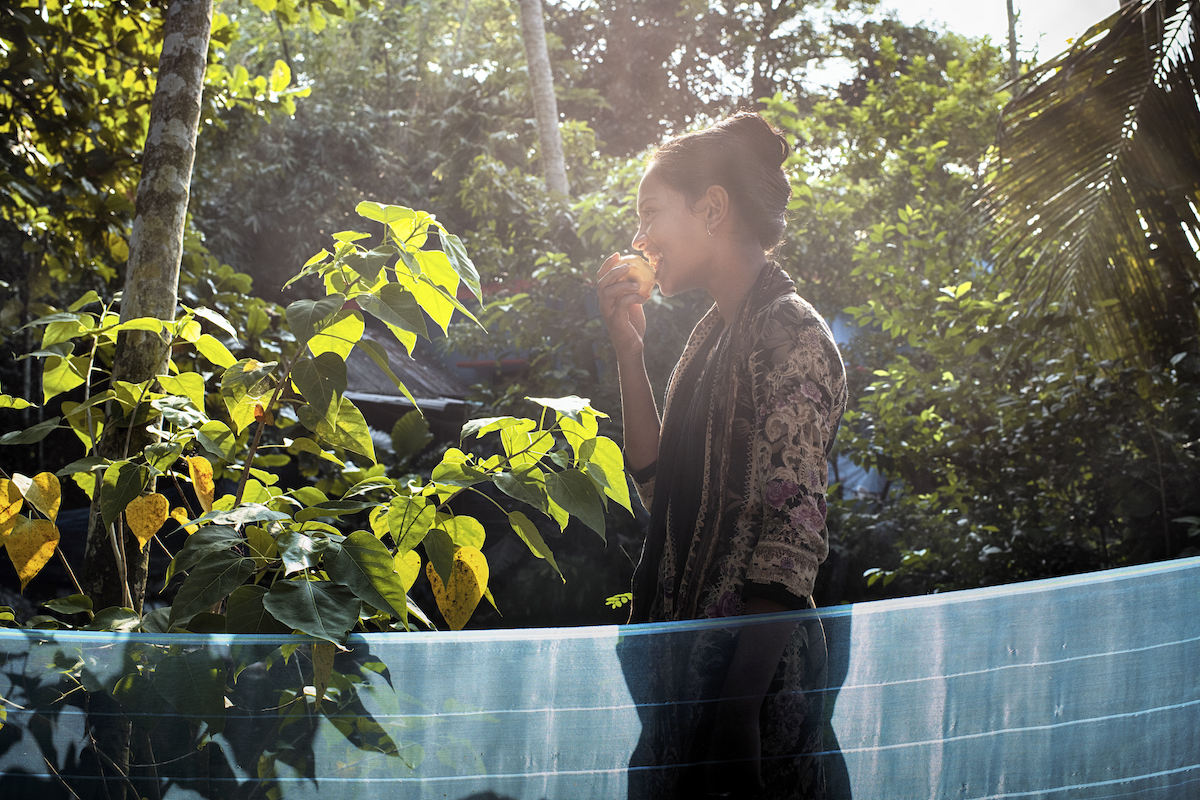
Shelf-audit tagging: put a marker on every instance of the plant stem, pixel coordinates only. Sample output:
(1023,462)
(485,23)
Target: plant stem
(71,574)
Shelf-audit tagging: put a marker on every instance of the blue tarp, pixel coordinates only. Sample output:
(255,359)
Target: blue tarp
(1080,687)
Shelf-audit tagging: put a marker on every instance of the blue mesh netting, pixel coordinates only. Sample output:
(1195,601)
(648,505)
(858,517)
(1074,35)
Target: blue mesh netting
(1083,687)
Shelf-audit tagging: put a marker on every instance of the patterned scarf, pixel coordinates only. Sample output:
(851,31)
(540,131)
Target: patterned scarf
(689,496)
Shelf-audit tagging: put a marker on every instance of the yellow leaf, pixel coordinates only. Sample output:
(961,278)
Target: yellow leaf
(468,581)
(180,515)
(10,505)
(45,494)
(322,658)
(408,566)
(202,480)
(30,545)
(145,516)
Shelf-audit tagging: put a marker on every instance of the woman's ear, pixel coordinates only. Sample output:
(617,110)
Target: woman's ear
(716,207)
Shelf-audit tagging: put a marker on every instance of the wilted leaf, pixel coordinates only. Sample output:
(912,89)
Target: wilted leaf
(322,660)
(10,504)
(145,515)
(460,595)
(30,545)
(180,515)
(201,473)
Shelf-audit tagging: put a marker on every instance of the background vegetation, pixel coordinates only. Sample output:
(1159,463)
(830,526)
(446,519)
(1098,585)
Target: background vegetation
(1033,414)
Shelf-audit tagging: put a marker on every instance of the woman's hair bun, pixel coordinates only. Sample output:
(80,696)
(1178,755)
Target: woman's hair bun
(742,153)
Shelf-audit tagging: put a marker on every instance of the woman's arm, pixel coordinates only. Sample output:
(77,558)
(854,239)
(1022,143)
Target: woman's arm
(620,305)
(736,736)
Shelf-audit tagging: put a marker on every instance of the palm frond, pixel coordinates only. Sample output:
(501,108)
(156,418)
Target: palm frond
(1093,193)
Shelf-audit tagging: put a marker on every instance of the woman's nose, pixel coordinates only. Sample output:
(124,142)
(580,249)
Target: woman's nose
(639,240)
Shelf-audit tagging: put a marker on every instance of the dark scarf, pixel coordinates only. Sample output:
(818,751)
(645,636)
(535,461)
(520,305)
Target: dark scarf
(705,390)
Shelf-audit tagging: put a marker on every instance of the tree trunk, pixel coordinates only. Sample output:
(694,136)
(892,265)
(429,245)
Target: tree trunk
(1014,69)
(545,106)
(152,276)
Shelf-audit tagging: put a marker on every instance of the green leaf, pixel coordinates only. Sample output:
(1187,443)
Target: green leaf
(527,484)
(574,491)
(31,435)
(524,445)
(86,464)
(350,432)
(386,214)
(529,534)
(204,542)
(408,520)
(61,374)
(123,481)
(8,401)
(245,612)
(322,609)
(305,317)
(72,604)
(464,531)
(212,349)
(439,549)
(456,469)
(243,514)
(481,427)
(606,466)
(380,357)
(321,381)
(339,336)
(410,435)
(299,551)
(245,386)
(216,437)
(364,565)
(185,384)
(209,582)
(159,457)
(570,406)
(332,508)
(368,262)
(397,306)
(194,683)
(462,263)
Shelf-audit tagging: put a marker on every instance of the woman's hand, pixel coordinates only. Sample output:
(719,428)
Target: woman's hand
(621,306)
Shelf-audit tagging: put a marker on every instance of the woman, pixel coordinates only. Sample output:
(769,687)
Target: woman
(735,474)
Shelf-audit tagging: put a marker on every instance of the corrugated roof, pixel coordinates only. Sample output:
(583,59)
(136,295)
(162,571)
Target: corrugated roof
(424,376)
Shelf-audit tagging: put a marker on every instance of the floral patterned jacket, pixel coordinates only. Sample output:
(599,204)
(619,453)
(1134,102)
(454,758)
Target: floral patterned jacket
(761,526)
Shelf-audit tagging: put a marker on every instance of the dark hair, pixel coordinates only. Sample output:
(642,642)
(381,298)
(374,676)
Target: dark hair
(745,155)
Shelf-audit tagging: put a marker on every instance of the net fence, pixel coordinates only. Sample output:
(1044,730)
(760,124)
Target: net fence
(1080,687)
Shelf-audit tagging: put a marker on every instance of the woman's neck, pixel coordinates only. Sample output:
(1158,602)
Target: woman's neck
(736,269)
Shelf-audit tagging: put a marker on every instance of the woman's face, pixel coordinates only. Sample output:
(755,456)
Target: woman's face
(671,235)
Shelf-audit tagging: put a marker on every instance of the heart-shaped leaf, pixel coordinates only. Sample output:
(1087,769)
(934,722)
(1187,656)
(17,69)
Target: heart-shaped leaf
(30,545)
(145,515)
(458,597)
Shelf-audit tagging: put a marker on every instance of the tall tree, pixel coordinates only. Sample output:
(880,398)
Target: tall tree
(1093,195)
(545,106)
(115,567)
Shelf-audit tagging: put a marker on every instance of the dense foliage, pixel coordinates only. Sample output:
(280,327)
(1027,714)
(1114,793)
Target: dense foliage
(1011,447)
